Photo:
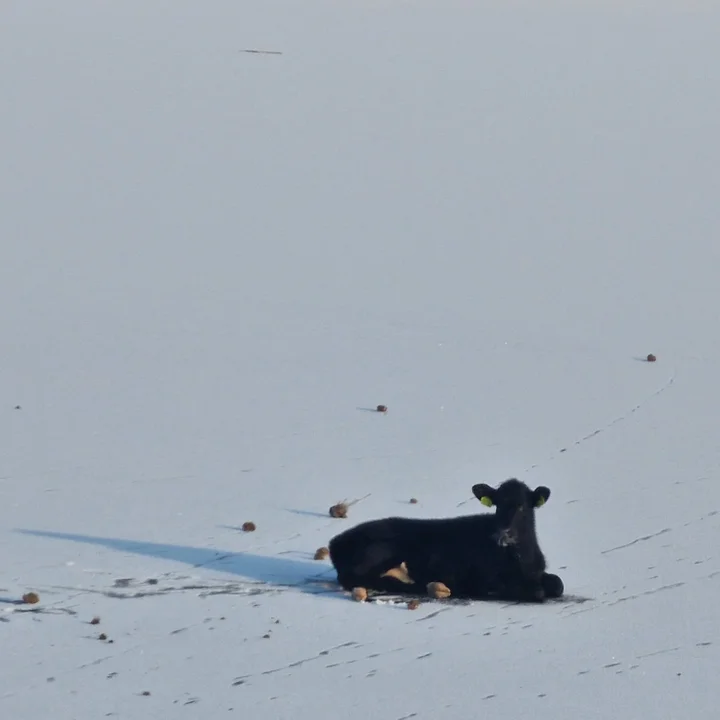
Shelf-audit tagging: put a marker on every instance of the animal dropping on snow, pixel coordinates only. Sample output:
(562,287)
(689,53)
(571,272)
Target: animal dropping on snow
(340,510)
(321,553)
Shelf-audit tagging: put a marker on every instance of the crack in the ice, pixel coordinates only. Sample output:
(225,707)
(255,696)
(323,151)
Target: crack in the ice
(637,540)
(602,429)
(627,598)
(432,615)
(303,661)
(656,652)
(249,588)
(95,662)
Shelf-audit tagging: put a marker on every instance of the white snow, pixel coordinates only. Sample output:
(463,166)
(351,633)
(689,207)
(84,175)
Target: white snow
(482,215)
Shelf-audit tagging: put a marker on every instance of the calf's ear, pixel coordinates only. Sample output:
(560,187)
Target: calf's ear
(540,496)
(485,494)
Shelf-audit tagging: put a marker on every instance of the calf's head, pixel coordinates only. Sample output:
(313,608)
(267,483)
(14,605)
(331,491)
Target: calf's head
(515,505)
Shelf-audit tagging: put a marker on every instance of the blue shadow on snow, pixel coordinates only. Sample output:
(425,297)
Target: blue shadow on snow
(274,571)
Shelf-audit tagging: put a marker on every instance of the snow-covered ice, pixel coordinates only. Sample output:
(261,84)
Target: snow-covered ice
(214,262)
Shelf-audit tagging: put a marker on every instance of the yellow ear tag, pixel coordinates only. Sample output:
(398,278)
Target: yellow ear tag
(486,501)
(541,501)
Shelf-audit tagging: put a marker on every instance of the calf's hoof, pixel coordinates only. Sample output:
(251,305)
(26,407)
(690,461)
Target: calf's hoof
(399,573)
(438,590)
(552,585)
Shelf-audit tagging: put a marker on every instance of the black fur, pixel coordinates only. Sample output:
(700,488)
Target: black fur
(475,556)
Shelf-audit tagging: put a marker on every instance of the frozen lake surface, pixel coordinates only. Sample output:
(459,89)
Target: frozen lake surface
(215,262)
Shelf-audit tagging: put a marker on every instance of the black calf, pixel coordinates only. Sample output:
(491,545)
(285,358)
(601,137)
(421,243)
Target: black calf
(475,556)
